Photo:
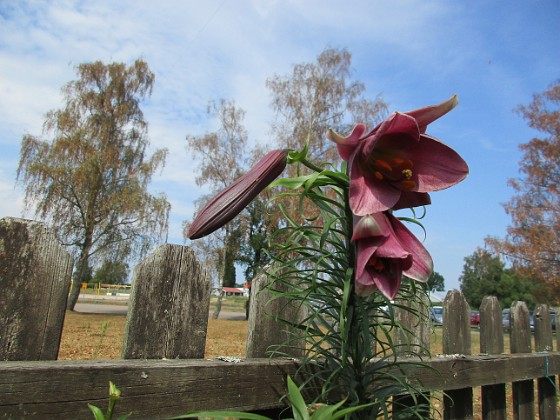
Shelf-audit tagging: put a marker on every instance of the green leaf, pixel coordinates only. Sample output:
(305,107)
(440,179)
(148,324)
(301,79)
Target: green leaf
(350,410)
(97,413)
(295,156)
(414,221)
(299,408)
(326,412)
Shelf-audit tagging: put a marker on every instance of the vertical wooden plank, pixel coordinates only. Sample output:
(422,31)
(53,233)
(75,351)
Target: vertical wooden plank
(265,331)
(413,315)
(458,404)
(520,342)
(35,276)
(413,339)
(492,342)
(168,308)
(543,343)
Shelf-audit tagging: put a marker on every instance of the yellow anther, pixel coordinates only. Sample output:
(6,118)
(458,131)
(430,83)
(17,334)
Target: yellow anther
(407,173)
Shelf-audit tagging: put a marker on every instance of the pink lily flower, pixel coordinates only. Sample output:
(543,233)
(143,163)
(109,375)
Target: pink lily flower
(397,164)
(385,250)
(229,202)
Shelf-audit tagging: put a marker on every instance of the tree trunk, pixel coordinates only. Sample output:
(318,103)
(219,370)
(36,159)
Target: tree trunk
(218,307)
(79,276)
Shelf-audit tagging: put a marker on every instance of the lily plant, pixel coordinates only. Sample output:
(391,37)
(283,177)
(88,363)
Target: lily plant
(348,255)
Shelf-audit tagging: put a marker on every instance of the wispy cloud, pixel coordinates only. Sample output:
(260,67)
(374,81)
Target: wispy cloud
(414,52)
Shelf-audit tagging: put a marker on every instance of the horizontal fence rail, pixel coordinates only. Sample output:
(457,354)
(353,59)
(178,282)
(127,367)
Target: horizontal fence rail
(160,388)
(163,372)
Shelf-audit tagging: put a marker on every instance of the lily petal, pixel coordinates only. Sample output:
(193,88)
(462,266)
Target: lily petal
(367,195)
(409,199)
(397,124)
(365,248)
(347,145)
(389,284)
(437,166)
(429,114)
(371,225)
(422,264)
(365,285)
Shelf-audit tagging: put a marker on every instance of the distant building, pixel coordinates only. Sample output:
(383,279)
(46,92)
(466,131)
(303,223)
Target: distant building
(233,291)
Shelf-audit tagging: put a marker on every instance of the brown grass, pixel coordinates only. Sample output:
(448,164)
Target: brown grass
(100,336)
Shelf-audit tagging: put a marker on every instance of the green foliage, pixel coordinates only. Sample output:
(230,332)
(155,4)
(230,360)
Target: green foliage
(484,274)
(436,283)
(342,333)
(228,279)
(260,224)
(111,272)
(300,410)
(114,395)
(90,180)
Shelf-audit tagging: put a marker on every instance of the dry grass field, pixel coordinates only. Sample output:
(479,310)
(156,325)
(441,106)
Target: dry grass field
(96,336)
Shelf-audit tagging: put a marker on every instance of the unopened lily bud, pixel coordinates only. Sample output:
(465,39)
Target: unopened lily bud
(229,202)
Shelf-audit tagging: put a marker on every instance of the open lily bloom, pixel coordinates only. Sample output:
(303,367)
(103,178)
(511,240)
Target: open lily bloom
(397,164)
(229,202)
(385,250)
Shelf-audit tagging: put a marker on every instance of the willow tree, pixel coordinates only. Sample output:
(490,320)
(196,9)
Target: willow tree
(318,96)
(532,242)
(90,179)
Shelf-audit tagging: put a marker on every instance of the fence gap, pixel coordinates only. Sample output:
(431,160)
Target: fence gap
(543,343)
(520,341)
(492,342)
(35,276)
(168,307)
(458,403)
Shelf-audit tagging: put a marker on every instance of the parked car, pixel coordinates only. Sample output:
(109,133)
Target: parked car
(475,318)
(436,315)
(505,319)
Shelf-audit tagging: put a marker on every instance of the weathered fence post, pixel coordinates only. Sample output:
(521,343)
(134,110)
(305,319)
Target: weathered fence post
(265,330)
(543,343)
(413,339)
(492,342)
(458,404)
(35,275)
(168,308)
(520,341)
(413,315)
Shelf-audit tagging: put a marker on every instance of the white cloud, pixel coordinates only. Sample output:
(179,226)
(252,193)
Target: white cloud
(415,52)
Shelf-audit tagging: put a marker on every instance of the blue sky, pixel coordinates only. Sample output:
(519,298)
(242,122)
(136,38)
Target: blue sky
(493,54)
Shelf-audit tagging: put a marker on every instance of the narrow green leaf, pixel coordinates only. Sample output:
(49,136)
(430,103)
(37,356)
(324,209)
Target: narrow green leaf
(299,408)
(97,413)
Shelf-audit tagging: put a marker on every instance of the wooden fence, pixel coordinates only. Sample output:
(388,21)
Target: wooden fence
(163,372)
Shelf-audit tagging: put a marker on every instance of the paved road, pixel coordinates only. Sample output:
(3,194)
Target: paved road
(101,308)
(106,308)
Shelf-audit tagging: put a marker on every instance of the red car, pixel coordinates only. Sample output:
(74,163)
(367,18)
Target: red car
(475,318)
